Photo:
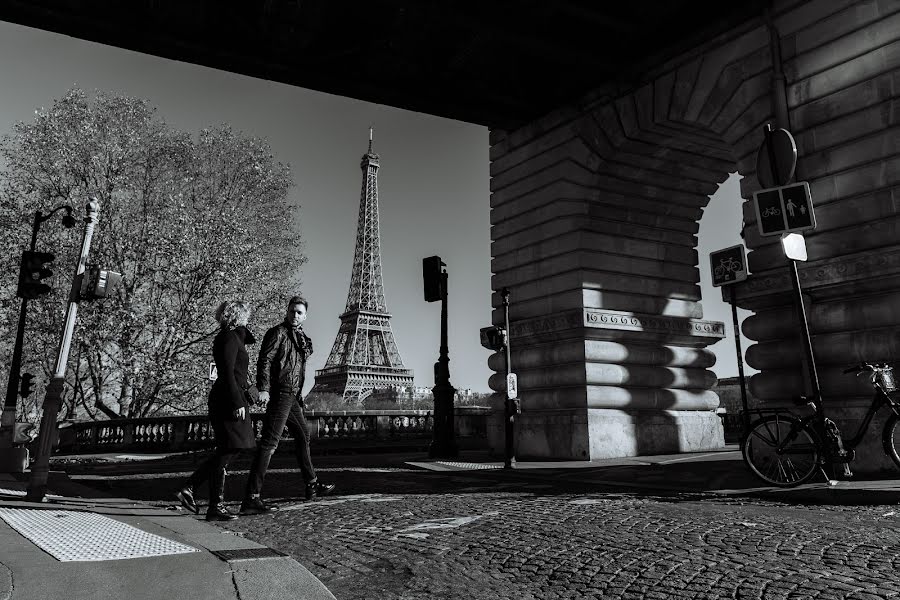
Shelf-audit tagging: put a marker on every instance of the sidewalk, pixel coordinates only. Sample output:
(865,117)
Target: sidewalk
(721,472)
(84,546)
(124,548)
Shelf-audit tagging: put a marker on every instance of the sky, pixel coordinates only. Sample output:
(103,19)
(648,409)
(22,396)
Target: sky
(433,187)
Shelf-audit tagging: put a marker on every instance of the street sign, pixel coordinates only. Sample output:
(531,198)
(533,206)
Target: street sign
(794,246)
(728,265)
(784,209)
(512,386)
(213,372)
(778,147)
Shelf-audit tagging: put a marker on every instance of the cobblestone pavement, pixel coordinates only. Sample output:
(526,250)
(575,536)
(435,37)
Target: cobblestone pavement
(401,533)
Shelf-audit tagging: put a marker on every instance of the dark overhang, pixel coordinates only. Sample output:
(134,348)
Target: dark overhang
(499,63)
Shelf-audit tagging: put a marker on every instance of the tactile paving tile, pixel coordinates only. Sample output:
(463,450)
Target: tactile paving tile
(70,535)
(465,465)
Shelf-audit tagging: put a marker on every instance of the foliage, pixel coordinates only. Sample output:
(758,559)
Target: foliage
(189,221)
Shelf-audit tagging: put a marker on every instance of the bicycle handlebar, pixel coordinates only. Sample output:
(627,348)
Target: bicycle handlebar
(865,366)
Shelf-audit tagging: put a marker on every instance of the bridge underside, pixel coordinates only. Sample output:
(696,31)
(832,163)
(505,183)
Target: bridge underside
(607,138)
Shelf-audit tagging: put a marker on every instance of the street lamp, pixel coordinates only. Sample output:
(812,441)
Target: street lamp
(8,419)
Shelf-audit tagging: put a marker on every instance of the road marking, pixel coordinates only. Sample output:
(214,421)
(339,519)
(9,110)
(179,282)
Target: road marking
(446,523)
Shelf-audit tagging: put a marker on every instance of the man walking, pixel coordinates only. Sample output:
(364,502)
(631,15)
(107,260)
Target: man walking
(280,372)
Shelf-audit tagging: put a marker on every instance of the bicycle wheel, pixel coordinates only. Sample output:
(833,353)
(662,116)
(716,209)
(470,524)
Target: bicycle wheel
(890,437)
(780,451)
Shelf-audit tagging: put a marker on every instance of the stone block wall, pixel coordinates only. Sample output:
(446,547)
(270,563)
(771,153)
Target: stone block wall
(595,211)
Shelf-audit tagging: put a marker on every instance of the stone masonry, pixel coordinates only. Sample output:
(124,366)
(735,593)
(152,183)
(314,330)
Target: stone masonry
(595,210)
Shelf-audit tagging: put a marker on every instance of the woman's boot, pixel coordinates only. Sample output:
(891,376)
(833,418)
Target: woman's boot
(185,495)
(217,510)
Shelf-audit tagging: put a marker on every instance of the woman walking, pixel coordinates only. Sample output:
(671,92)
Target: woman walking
(229,411)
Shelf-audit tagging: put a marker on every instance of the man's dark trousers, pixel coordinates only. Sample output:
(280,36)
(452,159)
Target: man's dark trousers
(282,409)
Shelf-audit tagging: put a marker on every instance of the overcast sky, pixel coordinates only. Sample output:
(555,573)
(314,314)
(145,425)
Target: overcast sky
(433,186)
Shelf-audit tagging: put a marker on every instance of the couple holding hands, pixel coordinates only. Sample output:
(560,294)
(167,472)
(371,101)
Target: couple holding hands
(280,373)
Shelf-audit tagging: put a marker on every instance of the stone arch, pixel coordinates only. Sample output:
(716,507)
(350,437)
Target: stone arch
(594,217)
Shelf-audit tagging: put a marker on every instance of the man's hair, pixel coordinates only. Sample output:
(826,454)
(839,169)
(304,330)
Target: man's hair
(298,300)
(231,314)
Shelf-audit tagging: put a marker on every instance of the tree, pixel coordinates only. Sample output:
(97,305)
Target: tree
(189,221)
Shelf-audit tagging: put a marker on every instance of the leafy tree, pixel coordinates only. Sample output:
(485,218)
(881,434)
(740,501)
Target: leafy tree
(189,221)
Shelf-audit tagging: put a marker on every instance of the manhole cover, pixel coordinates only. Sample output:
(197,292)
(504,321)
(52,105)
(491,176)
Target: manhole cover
(248,553)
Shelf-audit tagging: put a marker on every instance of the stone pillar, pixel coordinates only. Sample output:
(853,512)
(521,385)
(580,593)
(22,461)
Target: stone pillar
(594,212)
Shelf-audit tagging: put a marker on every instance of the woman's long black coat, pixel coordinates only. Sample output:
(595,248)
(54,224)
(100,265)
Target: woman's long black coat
(227,395)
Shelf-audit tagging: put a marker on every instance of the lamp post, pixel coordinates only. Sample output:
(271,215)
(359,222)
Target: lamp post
(8,419)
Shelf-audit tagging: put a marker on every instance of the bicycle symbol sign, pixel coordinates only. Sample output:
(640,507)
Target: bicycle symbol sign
(728,265)
(784,209)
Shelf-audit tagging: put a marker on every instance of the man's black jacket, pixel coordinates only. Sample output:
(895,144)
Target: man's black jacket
(281,366)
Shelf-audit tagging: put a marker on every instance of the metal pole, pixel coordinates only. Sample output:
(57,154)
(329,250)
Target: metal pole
(509,458)
(37,485)
(740,359)
(8,420)
(807,340)
(443,444)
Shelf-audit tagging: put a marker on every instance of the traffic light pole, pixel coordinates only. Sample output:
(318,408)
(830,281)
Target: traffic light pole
(8,419)
(37,485)
(509,455)
(444,443)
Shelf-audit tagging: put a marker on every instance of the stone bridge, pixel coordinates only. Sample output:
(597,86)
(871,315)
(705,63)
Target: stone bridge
(595,211)
(595,203)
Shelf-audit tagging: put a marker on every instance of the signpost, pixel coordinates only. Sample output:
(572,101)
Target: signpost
(729,266)
(776,160)
(512,386)
(784,209)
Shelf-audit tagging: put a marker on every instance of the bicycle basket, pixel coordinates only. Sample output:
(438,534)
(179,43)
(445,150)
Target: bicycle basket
(885,378)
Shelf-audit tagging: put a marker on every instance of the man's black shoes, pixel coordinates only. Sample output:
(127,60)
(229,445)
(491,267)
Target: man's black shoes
(186,496)
(314,490)
(218,512)
(255,506)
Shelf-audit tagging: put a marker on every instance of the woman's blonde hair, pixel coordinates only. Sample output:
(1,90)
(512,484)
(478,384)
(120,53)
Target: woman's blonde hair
(232,313)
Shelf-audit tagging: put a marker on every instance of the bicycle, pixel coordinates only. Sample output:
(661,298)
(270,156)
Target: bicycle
(786,450)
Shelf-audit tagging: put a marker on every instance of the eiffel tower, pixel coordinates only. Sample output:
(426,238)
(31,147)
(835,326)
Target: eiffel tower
(364,356)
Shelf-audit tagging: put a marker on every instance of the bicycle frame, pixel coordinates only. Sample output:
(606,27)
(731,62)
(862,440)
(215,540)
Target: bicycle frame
(879,399)
(817,420)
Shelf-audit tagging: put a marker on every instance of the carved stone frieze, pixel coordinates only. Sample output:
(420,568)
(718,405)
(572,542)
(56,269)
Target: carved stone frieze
(826,273)
(570,319)
(609,319)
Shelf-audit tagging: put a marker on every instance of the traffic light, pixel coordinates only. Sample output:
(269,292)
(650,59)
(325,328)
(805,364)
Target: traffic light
(33,268)
(25,383)
(433,277)
(493,338)
(99,283)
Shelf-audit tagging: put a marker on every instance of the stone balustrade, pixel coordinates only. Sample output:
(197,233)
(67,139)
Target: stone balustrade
(331,428)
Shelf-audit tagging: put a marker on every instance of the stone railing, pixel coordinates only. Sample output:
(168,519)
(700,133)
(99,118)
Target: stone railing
(331,429)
